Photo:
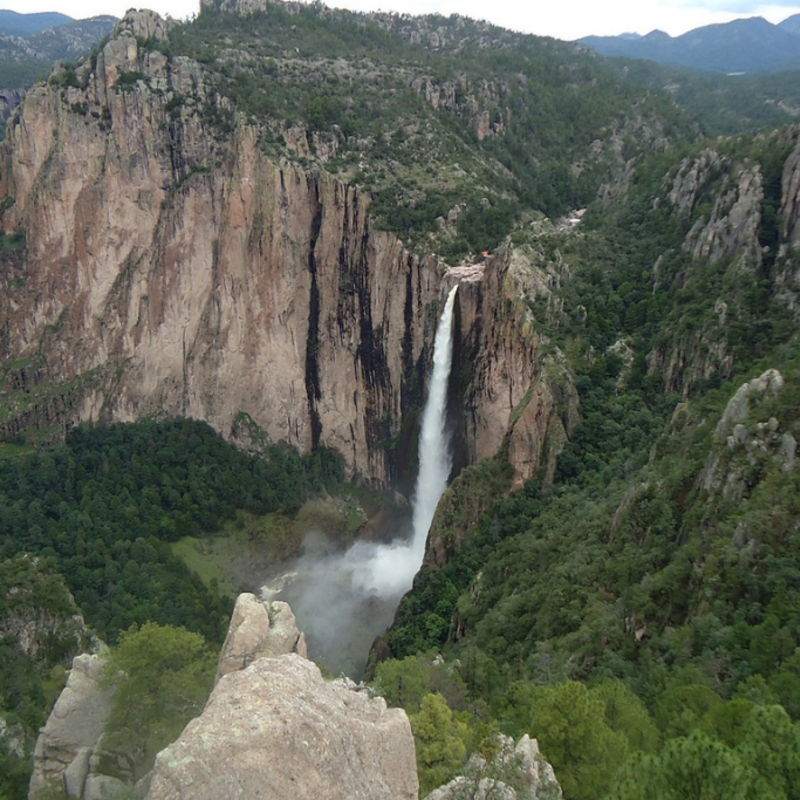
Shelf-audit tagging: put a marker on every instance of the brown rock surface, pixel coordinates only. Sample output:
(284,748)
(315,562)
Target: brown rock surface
(277,730)
(520,388)
(172,268)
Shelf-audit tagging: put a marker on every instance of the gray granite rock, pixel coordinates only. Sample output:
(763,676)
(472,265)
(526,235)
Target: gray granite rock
(259,630)
(277,730)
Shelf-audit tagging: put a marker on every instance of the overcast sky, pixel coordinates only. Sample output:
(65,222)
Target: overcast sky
(567,19)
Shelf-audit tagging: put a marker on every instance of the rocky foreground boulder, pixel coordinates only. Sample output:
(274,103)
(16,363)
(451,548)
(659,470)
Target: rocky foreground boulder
(516,772)
(259,630)
(67,747)
(277,729)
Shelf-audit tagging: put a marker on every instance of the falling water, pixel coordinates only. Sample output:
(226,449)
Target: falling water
(435,458)
(343,601)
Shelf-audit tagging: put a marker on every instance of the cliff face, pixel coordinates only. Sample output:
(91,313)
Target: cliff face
(171,268)
(172,272)
(521,390)
(739,216)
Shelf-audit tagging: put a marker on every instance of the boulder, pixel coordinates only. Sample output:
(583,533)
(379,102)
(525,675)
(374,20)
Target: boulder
(768,384)
(65,744)
(278,730)
(259,630)
(515,772)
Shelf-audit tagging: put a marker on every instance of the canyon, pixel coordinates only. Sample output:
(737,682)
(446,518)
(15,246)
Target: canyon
(170,270)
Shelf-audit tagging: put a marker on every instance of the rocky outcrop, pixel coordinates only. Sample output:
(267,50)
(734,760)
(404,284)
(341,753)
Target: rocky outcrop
(66,750)
(259,630)
(790,199)
(277,729)
(37,612)
(722,204)
(515,772)
(522,389)
(485,105)
(732,227)
(749,437)
(764,386)
(243,7)
(691,178)
(9,100)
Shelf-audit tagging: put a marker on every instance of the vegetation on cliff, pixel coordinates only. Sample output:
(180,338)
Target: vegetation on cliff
(650,595)
(640,613)
(162,676)
(453,140)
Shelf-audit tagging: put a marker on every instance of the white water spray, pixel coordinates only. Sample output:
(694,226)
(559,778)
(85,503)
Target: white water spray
(388,570)
(336,587)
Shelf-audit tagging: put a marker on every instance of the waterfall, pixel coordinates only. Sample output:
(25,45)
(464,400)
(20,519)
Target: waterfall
(388,570)
(343,601)
(435,458)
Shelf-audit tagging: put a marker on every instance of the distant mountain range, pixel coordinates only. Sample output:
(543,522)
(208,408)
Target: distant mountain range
(751,45)
(15,24)
(31,43)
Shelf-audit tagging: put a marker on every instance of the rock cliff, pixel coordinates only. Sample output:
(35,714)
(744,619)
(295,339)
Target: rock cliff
(259,630)
(171,273)
(67,747)
(521,389)
(276,729)
(738,216)
(163,265)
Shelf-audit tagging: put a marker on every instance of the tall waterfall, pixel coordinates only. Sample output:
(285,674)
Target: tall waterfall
(435,458)
(343,601)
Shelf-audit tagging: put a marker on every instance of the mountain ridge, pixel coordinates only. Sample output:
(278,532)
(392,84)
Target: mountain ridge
(749,45)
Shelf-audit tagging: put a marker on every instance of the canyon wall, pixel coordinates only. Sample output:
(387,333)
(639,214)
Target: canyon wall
(157,262)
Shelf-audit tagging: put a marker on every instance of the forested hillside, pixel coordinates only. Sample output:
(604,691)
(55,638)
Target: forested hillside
(86,527)
(637,608)
(640,613)
(439,118)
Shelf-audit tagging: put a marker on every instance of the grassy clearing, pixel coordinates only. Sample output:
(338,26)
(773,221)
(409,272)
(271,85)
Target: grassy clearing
(8,450)
(199,556)
(243,554)
(249,549)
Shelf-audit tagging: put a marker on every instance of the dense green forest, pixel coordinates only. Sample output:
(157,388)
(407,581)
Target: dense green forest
(523,124)
(640,615)
(93,518)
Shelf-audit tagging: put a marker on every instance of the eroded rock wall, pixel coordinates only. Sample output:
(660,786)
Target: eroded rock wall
(521,390)
(177,270)
(172,268)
